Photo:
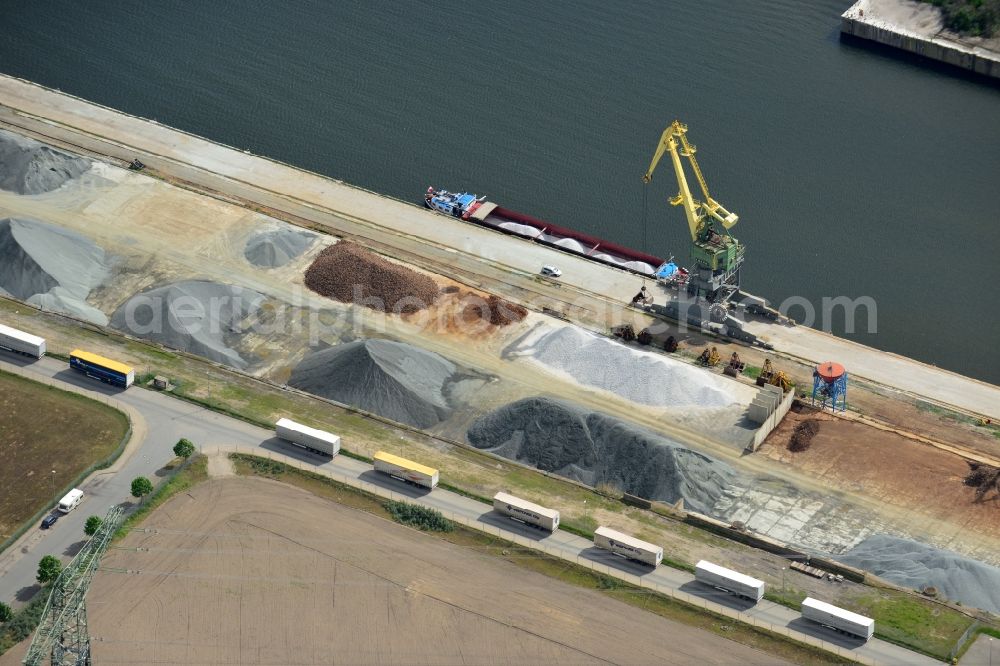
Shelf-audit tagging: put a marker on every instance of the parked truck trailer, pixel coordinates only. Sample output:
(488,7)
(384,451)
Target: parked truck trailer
(405,470)
(627,546)
(838,618)
(312,439)
(729,580)
(20,342)
(103,369)
(526,512)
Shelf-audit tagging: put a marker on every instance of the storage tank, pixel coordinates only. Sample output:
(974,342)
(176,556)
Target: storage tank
(526,512)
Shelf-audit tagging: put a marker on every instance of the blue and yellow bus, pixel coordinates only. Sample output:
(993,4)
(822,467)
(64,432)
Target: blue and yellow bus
(104,369)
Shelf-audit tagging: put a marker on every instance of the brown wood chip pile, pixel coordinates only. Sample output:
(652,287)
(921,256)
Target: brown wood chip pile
(802,435)
(347,272)
(495,310)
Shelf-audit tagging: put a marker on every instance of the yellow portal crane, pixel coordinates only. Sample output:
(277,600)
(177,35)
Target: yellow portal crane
(712,249)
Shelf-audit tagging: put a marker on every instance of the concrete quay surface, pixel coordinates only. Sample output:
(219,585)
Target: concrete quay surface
(917,27)
(463,249)
(168,419)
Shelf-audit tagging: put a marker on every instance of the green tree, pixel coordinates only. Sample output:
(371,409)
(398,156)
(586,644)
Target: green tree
(5,612)
(141,486)
(183,448)
(48,569)
(93,524)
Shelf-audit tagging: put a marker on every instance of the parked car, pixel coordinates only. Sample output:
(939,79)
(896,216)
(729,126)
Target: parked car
(49,520)
(551,271)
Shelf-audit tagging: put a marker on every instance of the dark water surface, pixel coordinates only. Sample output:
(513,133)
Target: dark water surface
(855,173)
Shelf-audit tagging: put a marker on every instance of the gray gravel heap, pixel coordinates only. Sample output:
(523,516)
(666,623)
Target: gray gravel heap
(392,379)
(30,167)
(276,247)
(51,267)
(915,565)
(595,448)
(196,316)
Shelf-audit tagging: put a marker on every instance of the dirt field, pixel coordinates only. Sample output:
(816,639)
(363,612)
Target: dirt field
(924,481)
(74,433)
(252,571)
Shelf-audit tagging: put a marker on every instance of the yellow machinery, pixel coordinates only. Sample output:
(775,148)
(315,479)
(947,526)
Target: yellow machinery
(768,375)
(710,357)
(717,255)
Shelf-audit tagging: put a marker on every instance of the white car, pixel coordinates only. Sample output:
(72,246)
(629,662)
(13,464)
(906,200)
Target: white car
(551,271)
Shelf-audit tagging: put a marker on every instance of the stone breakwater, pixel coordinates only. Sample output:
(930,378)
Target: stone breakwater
(917,28)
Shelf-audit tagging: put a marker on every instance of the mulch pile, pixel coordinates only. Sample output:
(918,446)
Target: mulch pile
(352,274)
(495,310)
(802,435)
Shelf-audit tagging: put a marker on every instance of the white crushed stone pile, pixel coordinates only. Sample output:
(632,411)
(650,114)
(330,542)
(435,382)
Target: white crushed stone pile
(51,267)
(595,448)
(916,565)
(639,376)
(30,167)
(276,247)
(196,316)
(393,379)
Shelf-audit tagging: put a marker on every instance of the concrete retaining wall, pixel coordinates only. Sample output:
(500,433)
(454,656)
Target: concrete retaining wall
(771,422)
(862,21)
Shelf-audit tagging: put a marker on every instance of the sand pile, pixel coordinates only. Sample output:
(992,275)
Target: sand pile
(639,376)
(276,247)
(595,448)
(917,566)
(195,316)
(30,167)
(493,309)
(50,267)
(352,274)
(392,379)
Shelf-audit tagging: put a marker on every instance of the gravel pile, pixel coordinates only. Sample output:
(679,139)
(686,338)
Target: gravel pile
(51,267)
(803,435)
(196,316)
(395,380)
(495,310)
(917,566)
(30,167)
(595,448)
(352,274)
(639,376)
(276,247)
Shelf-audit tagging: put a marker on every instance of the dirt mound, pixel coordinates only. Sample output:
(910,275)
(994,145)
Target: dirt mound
(352,274)
(915,565)
(195,316)
(493,309)
(395,380)
(50,267)
(276,247)
(639,376)
(30,167)
(595,448)
(803,435)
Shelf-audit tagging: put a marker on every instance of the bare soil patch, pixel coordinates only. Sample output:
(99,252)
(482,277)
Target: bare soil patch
(43,429)
(252,571)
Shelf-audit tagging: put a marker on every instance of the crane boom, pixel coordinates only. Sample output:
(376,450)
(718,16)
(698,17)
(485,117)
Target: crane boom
(668,142)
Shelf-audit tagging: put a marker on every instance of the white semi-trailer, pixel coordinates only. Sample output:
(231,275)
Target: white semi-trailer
(729,580)
(838,618)
(70,501)
(20,342)
(405,470)
(526,512)
(312,439)
(628,547)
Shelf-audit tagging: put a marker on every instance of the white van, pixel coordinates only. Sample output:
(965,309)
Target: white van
(71,500)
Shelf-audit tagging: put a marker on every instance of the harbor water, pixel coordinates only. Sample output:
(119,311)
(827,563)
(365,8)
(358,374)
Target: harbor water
(855,172)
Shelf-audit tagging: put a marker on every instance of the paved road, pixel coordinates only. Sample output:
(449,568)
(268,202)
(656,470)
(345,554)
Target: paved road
(421,236)
(167,419)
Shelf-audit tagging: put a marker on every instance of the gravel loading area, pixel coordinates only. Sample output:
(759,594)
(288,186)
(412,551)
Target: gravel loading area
(595,448)
(352,274)
(276,247)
